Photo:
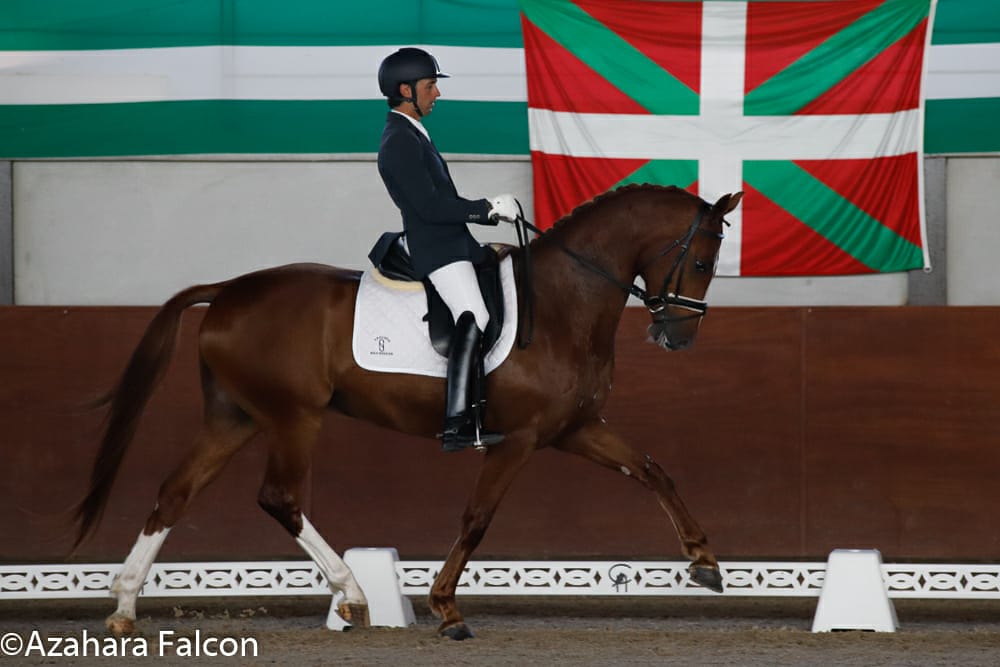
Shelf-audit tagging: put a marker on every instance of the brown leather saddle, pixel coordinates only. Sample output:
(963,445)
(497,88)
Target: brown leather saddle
(392,260)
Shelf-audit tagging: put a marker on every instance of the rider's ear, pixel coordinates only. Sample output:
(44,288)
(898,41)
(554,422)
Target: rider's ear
(405,90)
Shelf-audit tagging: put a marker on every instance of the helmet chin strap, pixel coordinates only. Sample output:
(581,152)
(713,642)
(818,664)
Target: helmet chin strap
(413,100)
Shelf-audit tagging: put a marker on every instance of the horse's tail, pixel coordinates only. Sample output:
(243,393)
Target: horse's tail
(128,399)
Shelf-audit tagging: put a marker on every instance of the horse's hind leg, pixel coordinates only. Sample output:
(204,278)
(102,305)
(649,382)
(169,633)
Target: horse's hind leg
(129,581)
(287,465)
(597,442)
(225,431)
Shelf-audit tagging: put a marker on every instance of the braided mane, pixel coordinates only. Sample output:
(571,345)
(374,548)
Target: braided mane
(614,194)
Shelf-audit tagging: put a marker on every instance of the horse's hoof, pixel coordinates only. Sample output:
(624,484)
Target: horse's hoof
(120,625)
(354,613)
(706,576)
(458,632)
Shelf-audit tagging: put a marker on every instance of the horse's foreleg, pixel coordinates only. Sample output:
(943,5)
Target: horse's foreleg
(213,448)
(279,496)
(354,607)
(500,467)
(598,443)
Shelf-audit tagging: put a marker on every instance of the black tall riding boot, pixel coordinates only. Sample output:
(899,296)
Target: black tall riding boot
(463,421)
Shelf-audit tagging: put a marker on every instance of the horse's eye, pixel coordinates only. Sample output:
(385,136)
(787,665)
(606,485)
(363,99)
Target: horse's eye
(700,266)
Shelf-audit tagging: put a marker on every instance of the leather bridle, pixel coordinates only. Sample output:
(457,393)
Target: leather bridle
(656,304)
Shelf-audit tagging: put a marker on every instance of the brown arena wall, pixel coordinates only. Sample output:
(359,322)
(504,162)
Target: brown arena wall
(788,431)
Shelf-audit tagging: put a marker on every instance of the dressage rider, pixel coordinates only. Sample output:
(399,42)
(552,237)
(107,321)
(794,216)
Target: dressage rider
(435,220)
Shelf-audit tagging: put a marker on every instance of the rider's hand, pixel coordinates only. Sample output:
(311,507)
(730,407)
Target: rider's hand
(505,208)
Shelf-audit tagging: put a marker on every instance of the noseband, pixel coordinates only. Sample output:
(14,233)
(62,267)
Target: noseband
(659,303)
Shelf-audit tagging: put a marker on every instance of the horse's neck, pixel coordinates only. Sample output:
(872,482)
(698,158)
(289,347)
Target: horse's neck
(596,301)
(605,236)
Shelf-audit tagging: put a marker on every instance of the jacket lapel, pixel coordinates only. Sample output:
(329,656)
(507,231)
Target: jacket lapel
(429,145)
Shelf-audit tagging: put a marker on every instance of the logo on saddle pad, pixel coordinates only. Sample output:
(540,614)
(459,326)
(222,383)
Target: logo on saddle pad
(385,305)
(381,343)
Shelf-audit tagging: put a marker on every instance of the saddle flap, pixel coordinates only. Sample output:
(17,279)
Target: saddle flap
(440,322)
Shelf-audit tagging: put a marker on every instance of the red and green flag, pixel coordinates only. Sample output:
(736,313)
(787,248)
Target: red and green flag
(813,108)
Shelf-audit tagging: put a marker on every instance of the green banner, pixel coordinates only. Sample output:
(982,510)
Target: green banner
(53,25)
(49,108)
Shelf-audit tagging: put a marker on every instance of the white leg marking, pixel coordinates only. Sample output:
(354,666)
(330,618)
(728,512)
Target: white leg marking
(337,573)
(127,585)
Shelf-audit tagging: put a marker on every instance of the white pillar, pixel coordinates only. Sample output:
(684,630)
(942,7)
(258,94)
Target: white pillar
(854,595)
(375,571)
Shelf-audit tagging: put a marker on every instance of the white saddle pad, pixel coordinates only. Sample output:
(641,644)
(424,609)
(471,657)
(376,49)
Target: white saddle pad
(391,336)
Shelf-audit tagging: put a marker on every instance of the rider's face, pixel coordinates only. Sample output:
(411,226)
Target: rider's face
(427,94)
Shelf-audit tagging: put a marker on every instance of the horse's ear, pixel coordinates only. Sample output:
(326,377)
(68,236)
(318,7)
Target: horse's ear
(728,202)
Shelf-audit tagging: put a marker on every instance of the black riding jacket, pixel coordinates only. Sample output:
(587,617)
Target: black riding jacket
(434,215)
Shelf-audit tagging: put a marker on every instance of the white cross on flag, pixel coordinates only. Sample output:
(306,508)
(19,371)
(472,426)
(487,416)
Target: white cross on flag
(813,108)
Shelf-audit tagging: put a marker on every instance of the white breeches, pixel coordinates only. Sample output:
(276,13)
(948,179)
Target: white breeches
(459,289)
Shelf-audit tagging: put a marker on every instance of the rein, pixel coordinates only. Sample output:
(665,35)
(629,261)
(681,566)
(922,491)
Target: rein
(655,304)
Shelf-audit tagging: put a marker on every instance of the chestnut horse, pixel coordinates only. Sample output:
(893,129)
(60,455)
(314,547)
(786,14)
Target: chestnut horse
(275,354)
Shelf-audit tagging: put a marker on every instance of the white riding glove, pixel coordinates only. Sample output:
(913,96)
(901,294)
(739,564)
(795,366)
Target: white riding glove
(505,208)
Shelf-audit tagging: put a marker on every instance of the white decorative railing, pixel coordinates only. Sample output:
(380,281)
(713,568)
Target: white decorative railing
(625,578)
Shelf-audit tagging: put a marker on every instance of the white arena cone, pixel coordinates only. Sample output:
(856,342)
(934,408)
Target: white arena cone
(375,570)
(854,596)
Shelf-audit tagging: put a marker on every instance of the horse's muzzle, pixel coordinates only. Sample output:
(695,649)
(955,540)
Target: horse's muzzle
(661,333)
(675,333)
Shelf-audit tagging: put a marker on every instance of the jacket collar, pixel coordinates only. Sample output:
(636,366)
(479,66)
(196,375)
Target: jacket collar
(415,123)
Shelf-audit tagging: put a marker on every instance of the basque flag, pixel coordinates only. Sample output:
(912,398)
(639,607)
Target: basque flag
(814,109)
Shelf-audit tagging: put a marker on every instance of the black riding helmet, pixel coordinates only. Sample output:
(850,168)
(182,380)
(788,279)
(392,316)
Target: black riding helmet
(407,65)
